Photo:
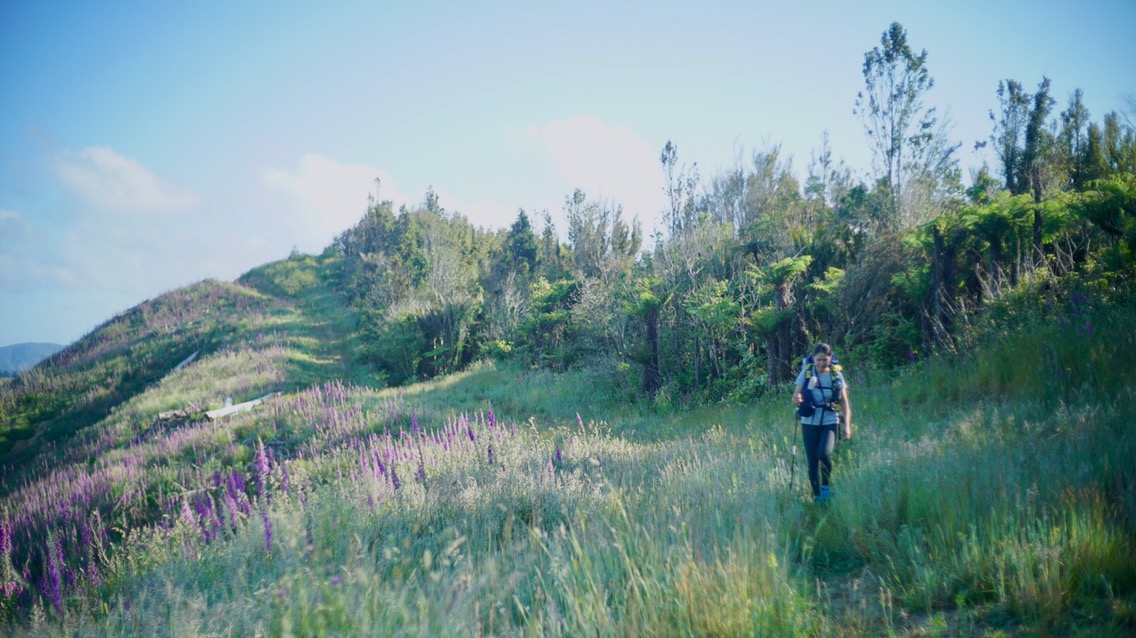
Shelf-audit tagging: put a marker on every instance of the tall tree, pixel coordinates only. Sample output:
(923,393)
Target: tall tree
(602,242)
(669,159)
(550,253)
(1009,130)
(783,276)
(1037,151)
(681,188)
(908,141)
(827,180)
(520,245)
(1075,139)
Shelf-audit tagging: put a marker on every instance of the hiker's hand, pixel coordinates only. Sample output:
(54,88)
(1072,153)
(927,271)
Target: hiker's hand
(848,432)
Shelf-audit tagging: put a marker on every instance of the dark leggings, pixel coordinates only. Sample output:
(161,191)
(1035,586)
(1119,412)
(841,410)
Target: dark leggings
(819,443)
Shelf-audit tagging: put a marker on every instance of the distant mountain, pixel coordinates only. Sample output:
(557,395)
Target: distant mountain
(22,356)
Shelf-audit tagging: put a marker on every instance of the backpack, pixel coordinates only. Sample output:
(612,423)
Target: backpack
(807,407)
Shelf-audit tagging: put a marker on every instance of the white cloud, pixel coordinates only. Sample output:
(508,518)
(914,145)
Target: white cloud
(24,273)
(607,161)
(329,197)
(480,213)
(111,182)
(13,227)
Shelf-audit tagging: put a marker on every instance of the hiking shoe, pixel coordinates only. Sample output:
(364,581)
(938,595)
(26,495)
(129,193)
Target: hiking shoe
(825,494)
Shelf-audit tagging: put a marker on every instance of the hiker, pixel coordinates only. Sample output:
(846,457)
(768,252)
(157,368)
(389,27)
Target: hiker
(820,385)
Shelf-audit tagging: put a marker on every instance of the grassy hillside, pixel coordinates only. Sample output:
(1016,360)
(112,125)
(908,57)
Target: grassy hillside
(989,495)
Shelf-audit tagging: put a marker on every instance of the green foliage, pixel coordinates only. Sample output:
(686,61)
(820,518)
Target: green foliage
(394,344)
(1111,205)
(968,493)
(547,334)
(288,278)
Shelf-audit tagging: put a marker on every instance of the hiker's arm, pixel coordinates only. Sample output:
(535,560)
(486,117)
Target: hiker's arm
(847,412)
(797,397)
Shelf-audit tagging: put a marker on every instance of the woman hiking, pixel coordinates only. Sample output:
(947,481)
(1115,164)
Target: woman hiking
(820,385)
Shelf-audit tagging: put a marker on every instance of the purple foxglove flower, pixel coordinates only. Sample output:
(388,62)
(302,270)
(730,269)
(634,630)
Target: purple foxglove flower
(261,468)
(5,539)
(267,530)
(52,587)
(187,513)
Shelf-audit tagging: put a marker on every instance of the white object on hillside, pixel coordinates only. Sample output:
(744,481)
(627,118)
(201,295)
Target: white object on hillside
(239,407)
(188,360)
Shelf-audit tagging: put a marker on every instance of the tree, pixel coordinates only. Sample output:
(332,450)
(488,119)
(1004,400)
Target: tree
(602,242)
(520,245)
(680,189)
(1036,153)
(549,252)
(1075,140)
(826,181)
(909,143)
(649,299)
(1009,129)
(783,276)
(669,159)
(1119,145)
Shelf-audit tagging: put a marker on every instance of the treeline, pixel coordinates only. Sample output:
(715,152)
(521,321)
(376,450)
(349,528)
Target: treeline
(754,264)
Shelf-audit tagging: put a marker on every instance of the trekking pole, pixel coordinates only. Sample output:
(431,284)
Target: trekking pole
(793,463)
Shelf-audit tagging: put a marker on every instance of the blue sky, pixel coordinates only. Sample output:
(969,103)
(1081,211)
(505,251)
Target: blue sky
(147,145)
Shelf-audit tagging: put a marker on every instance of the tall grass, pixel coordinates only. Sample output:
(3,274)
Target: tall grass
(992,494)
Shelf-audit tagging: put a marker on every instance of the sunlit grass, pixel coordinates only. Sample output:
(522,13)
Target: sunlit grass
(992,495)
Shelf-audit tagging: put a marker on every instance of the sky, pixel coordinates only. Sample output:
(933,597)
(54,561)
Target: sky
(148,145)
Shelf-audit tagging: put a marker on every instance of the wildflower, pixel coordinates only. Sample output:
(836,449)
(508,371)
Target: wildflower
(285,482)
(5,538)
(261,468)
(52,587)
(491,418)
(420,476)
(267,530)
(414,423)
(558,458)
(395,483)
(490,455)
(579,421)
(335,580)
(186,513)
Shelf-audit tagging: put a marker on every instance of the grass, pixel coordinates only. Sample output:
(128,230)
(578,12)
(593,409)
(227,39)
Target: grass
(991,495)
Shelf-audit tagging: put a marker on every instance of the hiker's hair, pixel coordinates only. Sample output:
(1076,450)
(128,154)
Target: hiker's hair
(822,348)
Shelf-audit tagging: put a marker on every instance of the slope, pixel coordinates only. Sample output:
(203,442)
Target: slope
(986,495)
